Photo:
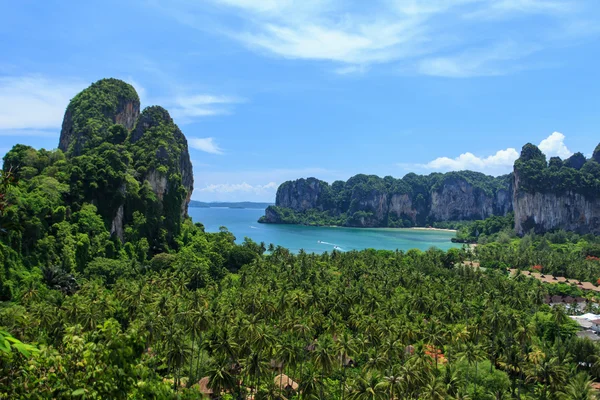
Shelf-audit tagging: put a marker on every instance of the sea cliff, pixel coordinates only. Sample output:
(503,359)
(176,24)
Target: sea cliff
(371,201)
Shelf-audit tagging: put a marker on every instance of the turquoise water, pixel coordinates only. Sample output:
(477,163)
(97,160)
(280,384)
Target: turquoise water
(242,223)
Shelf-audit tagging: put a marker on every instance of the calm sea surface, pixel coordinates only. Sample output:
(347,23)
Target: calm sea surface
(242,223)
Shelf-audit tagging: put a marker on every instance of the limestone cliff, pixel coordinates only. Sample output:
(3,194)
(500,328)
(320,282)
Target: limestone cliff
(302,194)
(545,212)
(557,195)
(132,151)
(160,151)
(91,113)
(370,201)
(458,200)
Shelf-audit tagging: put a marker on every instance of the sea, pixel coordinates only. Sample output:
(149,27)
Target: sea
(242,222)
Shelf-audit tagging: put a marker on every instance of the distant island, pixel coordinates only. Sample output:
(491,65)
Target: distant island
(241,204)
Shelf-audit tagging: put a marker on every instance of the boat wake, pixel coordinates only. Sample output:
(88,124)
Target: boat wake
(253,227)
(335,246)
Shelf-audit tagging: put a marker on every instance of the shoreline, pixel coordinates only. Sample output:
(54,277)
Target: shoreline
(420,228)
(431,229)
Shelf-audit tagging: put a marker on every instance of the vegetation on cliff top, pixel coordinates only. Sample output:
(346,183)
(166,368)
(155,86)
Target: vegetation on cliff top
(575,174)
(91,113)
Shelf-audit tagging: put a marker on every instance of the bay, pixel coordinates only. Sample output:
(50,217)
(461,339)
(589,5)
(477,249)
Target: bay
(242,223)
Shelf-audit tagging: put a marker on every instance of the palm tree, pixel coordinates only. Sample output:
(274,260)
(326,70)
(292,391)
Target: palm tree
(288,353)
(256,366)
(472,353)
(435,337)
(324,354)
(393,381)
(311,385)
(345,348)
(220,376)
(177,352)
(369,388)
(549,372)
(579,388)
(434,389)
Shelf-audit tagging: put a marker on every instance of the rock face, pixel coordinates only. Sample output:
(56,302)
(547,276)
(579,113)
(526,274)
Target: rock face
(369,201)
(544,212)
(106,102)
(557,194)
(302,194)
(108,112)
(156,131)
(401,205)
(459,201)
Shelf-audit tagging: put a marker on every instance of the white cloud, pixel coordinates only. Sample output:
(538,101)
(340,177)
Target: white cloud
(434,37)
(207,145)
(502,160)
(477,62)
(35,102)
(554,145)
(185,108)
(499,163)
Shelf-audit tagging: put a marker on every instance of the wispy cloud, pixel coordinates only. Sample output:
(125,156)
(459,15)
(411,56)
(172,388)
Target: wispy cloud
(189,107)
(433,37)
(498,163)
(34,102)
(207,145)
(503,8)
(492,61)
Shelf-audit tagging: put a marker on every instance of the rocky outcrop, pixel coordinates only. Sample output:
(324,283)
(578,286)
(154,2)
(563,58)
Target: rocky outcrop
(546,211)
(401,206)
(302,194)
(544,196)
(157,132)
(557,194)
(90,114)
(158,182)
(154,152)
(459,201)
(370,201)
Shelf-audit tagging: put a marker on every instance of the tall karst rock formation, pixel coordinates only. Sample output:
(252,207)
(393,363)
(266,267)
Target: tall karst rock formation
(144,156)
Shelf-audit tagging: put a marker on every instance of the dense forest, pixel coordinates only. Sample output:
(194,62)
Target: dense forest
(109,291)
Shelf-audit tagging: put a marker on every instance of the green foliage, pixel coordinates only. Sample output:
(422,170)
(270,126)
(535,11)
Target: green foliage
(575,174)
(91,111)
(488,229)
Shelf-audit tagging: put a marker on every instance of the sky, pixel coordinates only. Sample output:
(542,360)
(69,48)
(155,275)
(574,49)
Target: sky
(271,90)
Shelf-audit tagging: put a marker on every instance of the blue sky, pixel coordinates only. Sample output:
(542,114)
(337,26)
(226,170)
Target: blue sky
(270,90)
